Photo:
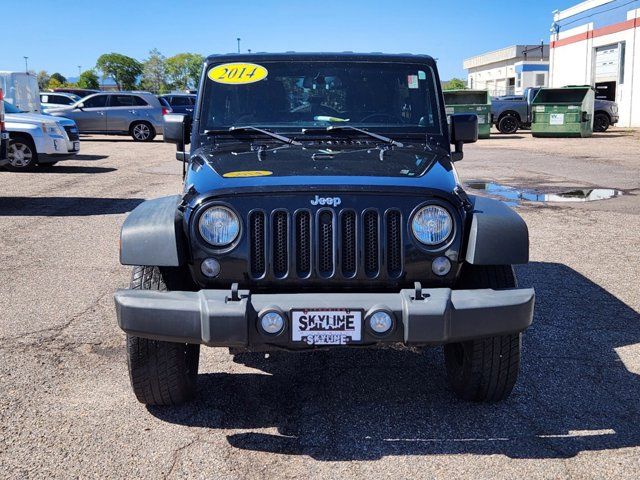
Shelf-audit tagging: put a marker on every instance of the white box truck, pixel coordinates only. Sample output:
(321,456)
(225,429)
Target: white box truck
(21,90)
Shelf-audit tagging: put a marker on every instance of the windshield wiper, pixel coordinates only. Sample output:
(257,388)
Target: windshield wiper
(347,128)
(248,129)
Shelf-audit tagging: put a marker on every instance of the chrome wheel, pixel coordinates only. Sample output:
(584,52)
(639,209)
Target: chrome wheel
(141,131)
(20,154)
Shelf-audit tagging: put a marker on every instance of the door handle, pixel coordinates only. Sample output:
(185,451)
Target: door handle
(133,111)
(100,113)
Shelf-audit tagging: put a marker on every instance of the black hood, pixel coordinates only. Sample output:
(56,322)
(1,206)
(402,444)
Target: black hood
(326,158)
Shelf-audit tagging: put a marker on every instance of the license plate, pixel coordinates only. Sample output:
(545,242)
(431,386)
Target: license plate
(76,146)
(338,326)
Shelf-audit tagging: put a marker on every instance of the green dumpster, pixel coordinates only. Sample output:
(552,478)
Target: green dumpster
(563,112)
(471,101)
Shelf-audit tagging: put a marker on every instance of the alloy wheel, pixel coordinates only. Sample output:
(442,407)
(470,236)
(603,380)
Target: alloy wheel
(141,131)
(20,155)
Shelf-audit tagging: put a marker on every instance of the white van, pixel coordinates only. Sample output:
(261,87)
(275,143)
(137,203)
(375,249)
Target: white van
(21,90)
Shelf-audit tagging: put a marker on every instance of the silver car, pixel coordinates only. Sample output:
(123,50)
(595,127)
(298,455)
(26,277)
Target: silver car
(138,114)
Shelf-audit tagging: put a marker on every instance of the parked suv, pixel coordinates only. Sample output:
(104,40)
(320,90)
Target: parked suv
(322,208)
(81,92)
(50,100)
(38,140)
(138,114)
(180,103)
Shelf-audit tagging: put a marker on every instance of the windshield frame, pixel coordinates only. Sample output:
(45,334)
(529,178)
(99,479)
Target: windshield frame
(438,129)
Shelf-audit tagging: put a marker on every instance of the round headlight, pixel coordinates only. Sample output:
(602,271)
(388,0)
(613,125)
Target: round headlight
(219,226)
(432,225)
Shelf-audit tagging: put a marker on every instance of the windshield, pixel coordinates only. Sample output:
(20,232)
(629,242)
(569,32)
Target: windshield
(386,97)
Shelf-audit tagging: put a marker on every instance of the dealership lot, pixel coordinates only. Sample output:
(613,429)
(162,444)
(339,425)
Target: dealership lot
(66,408)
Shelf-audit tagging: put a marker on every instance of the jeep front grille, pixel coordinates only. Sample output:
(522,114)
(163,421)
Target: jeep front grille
(326,244)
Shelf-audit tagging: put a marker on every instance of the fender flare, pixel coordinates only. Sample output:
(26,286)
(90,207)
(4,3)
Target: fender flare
(152,234)
(497,234)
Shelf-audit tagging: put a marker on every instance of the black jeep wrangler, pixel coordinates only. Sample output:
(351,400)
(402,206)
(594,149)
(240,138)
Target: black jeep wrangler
(321,208)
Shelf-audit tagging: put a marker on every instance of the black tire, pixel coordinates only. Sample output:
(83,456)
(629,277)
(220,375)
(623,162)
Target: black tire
(142,131)
(508,124)
(484,369)
(161,373)
(21,146)
(601,122)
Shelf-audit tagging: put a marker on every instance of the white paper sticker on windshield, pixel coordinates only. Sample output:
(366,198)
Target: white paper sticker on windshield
(422,75)
(412,81)
(556,119)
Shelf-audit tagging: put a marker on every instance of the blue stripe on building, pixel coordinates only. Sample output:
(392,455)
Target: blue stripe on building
(602,16)
(532,67)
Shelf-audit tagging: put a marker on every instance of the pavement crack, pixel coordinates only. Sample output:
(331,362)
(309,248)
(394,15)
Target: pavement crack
(58,329)
(177,453)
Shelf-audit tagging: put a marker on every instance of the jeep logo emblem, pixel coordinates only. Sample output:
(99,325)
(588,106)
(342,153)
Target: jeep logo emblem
(331,201)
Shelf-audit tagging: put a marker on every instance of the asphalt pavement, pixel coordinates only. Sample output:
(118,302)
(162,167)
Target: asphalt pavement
(67,410)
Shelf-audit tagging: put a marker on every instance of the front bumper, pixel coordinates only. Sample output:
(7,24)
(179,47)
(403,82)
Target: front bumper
(56,146)
(225,319)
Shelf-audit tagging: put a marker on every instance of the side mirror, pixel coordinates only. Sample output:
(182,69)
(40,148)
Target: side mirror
(177,129)
(463,128)
(80,106)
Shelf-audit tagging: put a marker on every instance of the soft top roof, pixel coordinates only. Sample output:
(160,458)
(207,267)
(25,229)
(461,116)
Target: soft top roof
(325,56)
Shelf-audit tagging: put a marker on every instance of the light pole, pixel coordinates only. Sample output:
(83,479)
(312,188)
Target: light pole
(238,39)
(79,70)
(26,64)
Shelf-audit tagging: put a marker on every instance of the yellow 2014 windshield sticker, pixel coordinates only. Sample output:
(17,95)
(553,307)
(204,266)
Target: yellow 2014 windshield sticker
(248,173)
(238,73)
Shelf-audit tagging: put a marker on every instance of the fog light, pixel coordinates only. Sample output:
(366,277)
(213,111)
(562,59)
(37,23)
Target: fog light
(210,267)
(380,322)
(272,323)
(441,266)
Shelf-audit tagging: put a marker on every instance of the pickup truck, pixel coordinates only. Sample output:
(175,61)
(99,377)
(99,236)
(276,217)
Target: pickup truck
(511,112)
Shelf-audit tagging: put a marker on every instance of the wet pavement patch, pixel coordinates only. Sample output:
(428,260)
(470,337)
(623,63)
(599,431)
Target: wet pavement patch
(514,196)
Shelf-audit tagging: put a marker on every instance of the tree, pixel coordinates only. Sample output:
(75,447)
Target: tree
(54,83)
(454,84)
(58,78)
(183,70)
(43,79)
(124,70)
(154,77)
(88,79)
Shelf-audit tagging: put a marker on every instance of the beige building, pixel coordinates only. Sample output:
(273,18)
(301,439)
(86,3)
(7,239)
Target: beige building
(510,70)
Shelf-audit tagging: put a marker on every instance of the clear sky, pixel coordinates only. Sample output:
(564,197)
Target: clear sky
(59,35)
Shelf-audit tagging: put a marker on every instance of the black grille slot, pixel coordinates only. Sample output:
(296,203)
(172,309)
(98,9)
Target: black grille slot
(394,243)
(303,244)
(371,243)
(348,243)
(325,243)
(256,242)
(72,132)
(280,244)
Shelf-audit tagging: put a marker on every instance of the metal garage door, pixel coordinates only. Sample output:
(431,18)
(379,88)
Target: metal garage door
(607,63)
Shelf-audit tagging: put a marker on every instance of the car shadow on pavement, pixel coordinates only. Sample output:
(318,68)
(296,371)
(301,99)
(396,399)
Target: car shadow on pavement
(65,206)
(574,393)
(118,139)
(85,157)
(66,169)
